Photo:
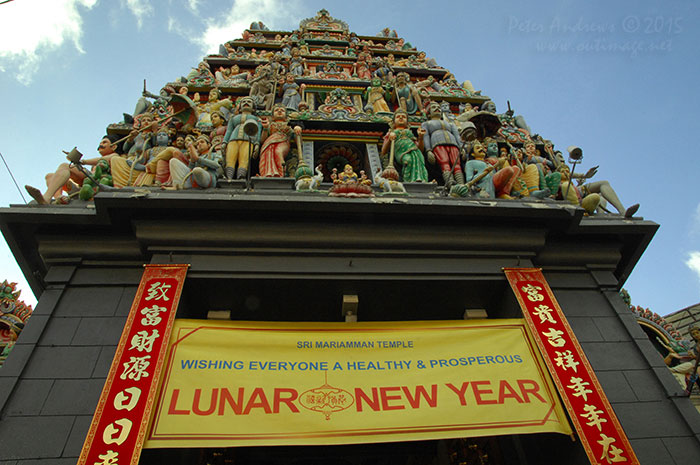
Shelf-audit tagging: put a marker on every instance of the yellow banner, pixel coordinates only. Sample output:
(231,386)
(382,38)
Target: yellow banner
(240,383)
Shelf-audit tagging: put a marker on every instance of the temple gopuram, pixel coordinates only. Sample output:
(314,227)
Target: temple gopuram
(319,247)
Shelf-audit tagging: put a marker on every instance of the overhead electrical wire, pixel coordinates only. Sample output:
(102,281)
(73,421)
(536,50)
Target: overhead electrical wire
(10,171)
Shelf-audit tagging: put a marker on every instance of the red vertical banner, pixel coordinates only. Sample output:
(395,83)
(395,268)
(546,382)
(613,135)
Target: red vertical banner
(119,425)
(598,428)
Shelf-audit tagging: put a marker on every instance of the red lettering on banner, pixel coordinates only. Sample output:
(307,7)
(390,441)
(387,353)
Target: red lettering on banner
(414,401)
(478,393)
(589,409)
(391,398)
(121,418)
(212,402)
(173,402)
(533,389)
(384,392)
(226,398)
(502,394)
(506,391)
(253,402)
(460,392)
(360,396)
(286,400)
(220,398)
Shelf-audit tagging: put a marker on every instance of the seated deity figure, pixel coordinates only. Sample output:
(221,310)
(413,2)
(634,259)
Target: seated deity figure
(538,179)
(477,165)
(201,73)
(232,76)
(539,183)
(67,177)
(571,194)
(130,170)
(291,92)
(384,67)
(348,184)
(606,191)
(406,95)
(150,168)
(213,104)
(203,168)
(159,160)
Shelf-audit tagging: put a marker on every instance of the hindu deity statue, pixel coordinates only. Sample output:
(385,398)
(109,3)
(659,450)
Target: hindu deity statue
(406,149)
(240,138)
(442,142)
(213,104)
(406,95)
(375,96)
(277,144)
(291,92)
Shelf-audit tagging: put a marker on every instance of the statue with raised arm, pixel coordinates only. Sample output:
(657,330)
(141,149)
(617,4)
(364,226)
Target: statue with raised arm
(67,177)
(571,194)
(606,191)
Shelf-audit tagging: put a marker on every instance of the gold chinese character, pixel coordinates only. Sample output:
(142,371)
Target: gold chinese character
(533,294)
(554,337)
(117,434)
(158,291)
(578,385)
(566,360)
(593,416)
(611,454)
(151,315)
(545,314)
(127,399)
(110,458)
(142,341)
(135,368)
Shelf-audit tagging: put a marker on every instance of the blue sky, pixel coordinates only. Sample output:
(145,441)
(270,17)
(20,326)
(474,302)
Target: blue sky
(618,79)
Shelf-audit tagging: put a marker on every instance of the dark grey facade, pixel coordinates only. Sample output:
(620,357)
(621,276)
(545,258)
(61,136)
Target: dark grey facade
(291,257)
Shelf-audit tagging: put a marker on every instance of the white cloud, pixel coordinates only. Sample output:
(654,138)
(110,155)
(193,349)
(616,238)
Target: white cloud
(693,262)
(193,4)
(30,30)
(230,25)
(140,9)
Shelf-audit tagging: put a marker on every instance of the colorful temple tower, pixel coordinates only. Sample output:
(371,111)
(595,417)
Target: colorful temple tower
(317,181)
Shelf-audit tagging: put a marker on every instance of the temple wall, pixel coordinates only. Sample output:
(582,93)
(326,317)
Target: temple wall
(53,380)
(51,383)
